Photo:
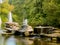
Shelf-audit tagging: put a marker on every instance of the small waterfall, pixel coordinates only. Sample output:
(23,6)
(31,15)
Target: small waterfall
(0,28)
(0,23)
(1,1)
(25,22)
(10,17)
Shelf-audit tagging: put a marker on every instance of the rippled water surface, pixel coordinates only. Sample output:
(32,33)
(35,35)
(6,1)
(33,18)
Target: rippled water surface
(15,40)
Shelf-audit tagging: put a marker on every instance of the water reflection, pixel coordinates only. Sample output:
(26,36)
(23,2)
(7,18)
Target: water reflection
(13,40)
(23,41)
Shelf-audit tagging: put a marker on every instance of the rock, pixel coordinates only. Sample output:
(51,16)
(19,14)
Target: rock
(12,26)
(28,30)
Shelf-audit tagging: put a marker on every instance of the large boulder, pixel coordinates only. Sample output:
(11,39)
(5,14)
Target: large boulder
(28,30)
(11,26)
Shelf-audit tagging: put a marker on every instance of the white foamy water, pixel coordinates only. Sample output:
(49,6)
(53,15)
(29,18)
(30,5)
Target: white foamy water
(25,22)
(0,23)
(10,17)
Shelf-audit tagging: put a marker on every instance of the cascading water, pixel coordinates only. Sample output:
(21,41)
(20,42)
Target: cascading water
(0,23)
(25,22)
(10,17)
(0,26)
(1,1)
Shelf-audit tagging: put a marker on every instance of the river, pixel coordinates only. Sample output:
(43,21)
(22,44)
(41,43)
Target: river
(17,40)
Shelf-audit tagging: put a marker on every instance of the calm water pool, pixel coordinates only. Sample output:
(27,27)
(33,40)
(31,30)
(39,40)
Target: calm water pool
(14,40)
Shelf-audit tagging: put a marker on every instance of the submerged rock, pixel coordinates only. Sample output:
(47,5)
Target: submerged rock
(27,30)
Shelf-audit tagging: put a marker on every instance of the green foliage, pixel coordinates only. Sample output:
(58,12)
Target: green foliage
(38,12)
(5,7)
(52,10)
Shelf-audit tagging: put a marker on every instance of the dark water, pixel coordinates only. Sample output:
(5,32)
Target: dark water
(15,40)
